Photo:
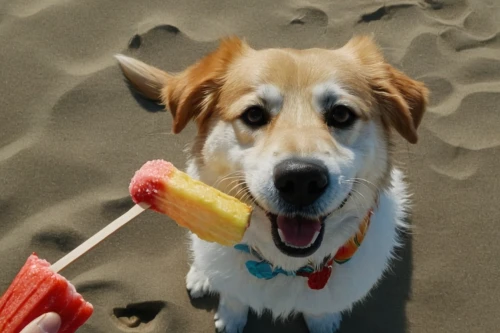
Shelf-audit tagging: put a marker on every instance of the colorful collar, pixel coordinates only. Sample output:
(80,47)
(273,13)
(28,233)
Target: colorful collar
(316,279)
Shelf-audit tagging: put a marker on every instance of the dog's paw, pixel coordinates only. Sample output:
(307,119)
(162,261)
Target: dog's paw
(197,283)
(228,324)
(231,316)
(328,323)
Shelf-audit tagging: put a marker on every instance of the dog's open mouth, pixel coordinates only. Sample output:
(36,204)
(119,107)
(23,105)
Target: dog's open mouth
(298,236)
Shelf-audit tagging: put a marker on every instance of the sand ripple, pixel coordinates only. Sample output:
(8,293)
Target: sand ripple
(72,134)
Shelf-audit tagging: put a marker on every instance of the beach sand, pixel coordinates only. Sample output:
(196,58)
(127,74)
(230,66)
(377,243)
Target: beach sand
(72,134)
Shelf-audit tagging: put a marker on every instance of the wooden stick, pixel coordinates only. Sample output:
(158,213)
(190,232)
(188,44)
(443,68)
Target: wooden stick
(99,237)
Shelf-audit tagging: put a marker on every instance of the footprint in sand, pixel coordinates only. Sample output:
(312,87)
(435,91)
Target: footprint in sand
(461,40)
(446,9)
(147,46)
(423,56)
(482,20)
(477,70)
(303,27)
(31,7)
(115,207)
(59,237)
(440,88)
(454,162)
(381,13)
(473,125)
(310,16)
(135,42)
(138,315)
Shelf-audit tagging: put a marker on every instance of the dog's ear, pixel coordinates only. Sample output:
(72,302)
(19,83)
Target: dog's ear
(403,100)
(406,102)
(191,94)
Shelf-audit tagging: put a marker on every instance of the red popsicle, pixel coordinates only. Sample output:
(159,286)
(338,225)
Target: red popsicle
(36,290)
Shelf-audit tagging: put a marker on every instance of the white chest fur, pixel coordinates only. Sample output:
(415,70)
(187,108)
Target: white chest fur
(223,269)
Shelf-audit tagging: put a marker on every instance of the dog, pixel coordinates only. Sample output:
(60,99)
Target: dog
(306,138)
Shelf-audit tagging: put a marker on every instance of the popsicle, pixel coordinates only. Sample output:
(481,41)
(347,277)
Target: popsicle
(212,215)
(36,290)
(209,213)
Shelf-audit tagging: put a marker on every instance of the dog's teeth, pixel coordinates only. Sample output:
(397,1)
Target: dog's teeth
(280,233)
(282,237)
(316,234)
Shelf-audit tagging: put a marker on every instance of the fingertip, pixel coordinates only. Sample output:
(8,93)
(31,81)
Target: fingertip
(50,323)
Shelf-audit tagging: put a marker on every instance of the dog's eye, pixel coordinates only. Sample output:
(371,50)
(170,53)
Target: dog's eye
(340,116)
(255,116)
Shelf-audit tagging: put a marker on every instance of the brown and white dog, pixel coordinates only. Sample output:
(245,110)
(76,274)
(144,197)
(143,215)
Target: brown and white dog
(305,137)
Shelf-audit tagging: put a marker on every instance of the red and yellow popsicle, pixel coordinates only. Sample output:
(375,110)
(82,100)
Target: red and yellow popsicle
(212,215)
(209,213)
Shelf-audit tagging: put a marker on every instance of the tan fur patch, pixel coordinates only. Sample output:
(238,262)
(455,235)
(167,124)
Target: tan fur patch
(217,84)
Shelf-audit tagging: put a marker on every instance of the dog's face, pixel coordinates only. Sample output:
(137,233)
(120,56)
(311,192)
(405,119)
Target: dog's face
(303,135)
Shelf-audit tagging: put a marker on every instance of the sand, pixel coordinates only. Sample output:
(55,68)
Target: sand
(72,135)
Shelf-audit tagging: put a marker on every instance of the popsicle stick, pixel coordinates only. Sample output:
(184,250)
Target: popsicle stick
(99,237)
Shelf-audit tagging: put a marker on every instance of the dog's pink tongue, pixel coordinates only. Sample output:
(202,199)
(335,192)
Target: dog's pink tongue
(298,231)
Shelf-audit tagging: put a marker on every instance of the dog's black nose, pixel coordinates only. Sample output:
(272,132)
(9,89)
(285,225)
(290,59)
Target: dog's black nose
(300,182)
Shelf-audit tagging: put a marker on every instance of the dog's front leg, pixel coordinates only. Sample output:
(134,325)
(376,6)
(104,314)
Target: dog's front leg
(197,283)
(231,316)
(327,323)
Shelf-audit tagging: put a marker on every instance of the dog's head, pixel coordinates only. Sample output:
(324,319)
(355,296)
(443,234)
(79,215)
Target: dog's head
(304,135)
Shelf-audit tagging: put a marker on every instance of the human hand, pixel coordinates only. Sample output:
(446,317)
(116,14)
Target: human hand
(46,323)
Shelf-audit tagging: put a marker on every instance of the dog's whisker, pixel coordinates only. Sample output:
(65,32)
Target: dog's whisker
(244,193)
(223,183)
(236,189)
(359,203)
(229,176)
(233,183)
(243,196)
(248,197)
(233,188)
(232,180)
(365,186)
(357,192)
(258,197)
(364,180)
(228,182)
(242,190)
(361,181)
